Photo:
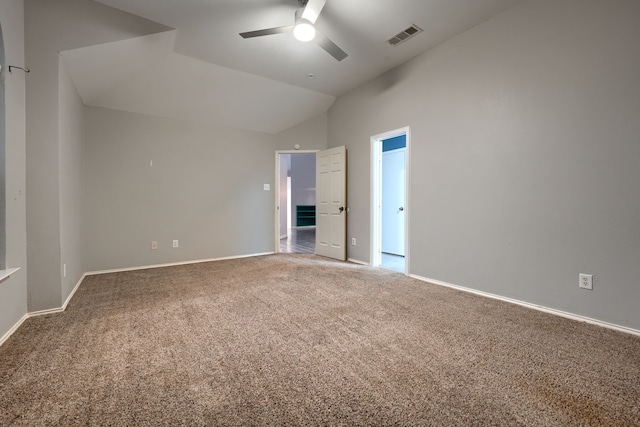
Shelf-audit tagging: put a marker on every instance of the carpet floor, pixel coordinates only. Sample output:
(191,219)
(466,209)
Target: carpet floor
(300,340)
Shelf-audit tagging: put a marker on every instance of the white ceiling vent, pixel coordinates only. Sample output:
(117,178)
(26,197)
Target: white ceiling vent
(404,35)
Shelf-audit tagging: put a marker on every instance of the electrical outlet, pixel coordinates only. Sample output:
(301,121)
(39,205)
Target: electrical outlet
(353,241)
(175,244)
(64,270)
(586,281)
(154,245)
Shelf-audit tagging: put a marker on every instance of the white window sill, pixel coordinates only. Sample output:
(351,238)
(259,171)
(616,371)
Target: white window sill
(8,272)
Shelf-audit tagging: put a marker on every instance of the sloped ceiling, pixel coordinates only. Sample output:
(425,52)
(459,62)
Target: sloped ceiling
(144,75)
(204,71)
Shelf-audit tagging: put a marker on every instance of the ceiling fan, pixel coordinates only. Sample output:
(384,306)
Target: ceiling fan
(303,28)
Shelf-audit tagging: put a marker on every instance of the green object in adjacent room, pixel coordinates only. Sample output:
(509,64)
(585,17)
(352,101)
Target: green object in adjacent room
(305,215)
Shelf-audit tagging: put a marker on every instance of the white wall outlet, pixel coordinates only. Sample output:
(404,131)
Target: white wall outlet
(353,241)
(154,245)
(175,243)
(267,187)
(586,281)
(64,270)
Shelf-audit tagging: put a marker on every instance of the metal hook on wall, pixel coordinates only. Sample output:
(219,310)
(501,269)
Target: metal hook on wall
(26,69)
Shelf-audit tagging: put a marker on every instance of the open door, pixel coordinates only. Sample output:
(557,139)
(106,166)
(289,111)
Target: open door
(331,203)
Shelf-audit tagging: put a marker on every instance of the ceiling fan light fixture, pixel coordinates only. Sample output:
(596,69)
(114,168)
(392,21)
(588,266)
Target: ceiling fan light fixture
(304,30)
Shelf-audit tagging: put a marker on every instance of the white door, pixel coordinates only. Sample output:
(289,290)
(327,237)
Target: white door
(393,194)
(331,203)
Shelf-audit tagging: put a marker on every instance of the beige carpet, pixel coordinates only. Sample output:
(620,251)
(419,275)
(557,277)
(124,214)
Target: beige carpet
(300,340)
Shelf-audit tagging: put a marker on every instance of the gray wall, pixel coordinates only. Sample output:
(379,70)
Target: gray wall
(71,149)
(524,155)
(311,135)
(51,27)
(205,189)
(13,291)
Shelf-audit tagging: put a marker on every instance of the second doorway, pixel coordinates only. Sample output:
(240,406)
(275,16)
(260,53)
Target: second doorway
(297,202)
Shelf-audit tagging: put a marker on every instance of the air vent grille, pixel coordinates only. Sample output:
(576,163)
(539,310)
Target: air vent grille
(404,35)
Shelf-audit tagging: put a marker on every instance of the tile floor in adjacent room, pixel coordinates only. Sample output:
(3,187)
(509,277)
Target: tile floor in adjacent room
(299,241)
(303,241)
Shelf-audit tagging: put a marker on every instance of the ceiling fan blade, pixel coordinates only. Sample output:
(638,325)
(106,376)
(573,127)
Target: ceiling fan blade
(330,47)
(312,10)
(267,32)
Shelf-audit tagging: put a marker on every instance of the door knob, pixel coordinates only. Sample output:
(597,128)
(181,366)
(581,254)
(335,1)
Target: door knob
(341,209)
(401,208)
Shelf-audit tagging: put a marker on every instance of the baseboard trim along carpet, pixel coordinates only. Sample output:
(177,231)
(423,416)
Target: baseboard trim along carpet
(42,312)
(531,306)
(521,303)
(292,339)
(173,264)
(355,261)
(15,327)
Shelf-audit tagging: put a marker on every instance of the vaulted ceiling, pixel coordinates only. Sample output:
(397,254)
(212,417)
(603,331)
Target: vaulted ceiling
(204,71)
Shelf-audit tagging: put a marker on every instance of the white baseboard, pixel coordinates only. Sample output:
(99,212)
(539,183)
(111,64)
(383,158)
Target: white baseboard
(532,306)
(64,306)
(13,329)
(355,261)
(41,312)
(173,264)
(73,292)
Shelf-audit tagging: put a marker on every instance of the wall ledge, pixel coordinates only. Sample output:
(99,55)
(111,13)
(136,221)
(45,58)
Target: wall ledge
(6,273)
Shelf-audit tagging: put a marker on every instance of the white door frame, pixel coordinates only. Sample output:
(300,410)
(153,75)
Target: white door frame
(277,192)
(376,195)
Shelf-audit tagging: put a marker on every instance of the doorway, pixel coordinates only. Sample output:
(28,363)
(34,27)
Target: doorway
(389,178)
(295,202)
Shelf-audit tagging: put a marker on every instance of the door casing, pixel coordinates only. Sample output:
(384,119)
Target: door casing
(276,224)
(376,196)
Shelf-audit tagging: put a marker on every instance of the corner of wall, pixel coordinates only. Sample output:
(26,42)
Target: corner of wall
(310,135)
